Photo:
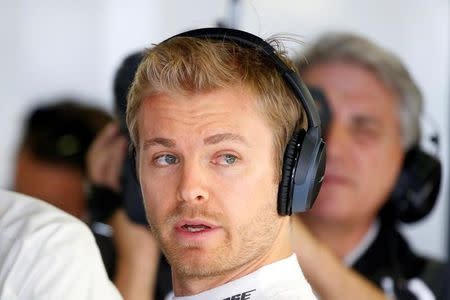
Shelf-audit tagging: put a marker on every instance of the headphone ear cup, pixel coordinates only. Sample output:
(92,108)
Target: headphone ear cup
(290,159)
(309,172)
(131,157)
(417,188)
(133,202)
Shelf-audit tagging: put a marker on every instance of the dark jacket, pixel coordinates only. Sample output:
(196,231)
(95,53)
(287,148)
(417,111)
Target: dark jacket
(391,258)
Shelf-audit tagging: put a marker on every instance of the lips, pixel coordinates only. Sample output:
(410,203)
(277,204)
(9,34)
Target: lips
(196,230)
(194,226)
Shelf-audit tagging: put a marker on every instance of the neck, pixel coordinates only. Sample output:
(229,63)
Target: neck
(281,248)
(340,237)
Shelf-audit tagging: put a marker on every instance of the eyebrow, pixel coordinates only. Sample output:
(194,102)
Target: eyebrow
(211,140)
(365,120)
(159,141)
(217,138)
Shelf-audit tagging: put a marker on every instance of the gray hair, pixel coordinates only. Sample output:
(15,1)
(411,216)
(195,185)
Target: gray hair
(384,64)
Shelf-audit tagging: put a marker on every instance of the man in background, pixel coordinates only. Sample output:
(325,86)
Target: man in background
(50,160)
(372,141)
(51,163)
(44,252)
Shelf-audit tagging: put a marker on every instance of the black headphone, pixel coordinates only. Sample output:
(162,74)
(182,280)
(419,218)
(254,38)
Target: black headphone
(304,157)
(417,188)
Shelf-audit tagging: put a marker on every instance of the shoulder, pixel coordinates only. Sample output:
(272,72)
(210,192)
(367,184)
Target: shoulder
(392,264)
(290,290)
(29,223)
(420,272)
(46,253)
(286,281)
(25,220)
(435,275)
(27,214)
(291,293)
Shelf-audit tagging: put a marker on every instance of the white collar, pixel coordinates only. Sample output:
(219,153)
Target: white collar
(363,245)
(281,275)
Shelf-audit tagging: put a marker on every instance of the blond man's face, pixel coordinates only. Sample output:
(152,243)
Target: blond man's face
(206,170)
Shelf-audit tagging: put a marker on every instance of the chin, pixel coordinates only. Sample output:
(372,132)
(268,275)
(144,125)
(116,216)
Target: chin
(197,265)
(334,209)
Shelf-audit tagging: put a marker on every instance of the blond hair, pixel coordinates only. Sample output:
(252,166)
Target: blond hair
(194,65)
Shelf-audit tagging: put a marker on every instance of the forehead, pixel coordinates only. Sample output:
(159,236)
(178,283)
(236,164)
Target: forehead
(352,87)
(227,109)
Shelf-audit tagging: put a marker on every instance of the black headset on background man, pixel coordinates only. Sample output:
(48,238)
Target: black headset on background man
(417,188)
(304,158)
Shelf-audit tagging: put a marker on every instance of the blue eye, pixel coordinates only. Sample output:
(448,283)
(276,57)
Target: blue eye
(227,159)
(166,159)
(230,159)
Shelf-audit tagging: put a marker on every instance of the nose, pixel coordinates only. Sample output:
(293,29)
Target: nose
(192,184)
(337,141)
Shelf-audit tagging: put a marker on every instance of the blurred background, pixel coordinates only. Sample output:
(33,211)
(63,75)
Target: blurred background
(53,48)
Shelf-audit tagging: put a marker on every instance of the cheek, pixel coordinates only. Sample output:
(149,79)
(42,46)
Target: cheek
(378,158)
(245,194)
(157,196)
(380,170)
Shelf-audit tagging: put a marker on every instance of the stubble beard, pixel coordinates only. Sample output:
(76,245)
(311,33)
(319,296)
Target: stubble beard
(251,241)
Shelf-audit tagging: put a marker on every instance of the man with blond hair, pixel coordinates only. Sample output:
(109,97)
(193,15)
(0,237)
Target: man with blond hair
(210,116)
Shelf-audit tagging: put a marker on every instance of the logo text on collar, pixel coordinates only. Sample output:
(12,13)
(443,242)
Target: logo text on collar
(244,296)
